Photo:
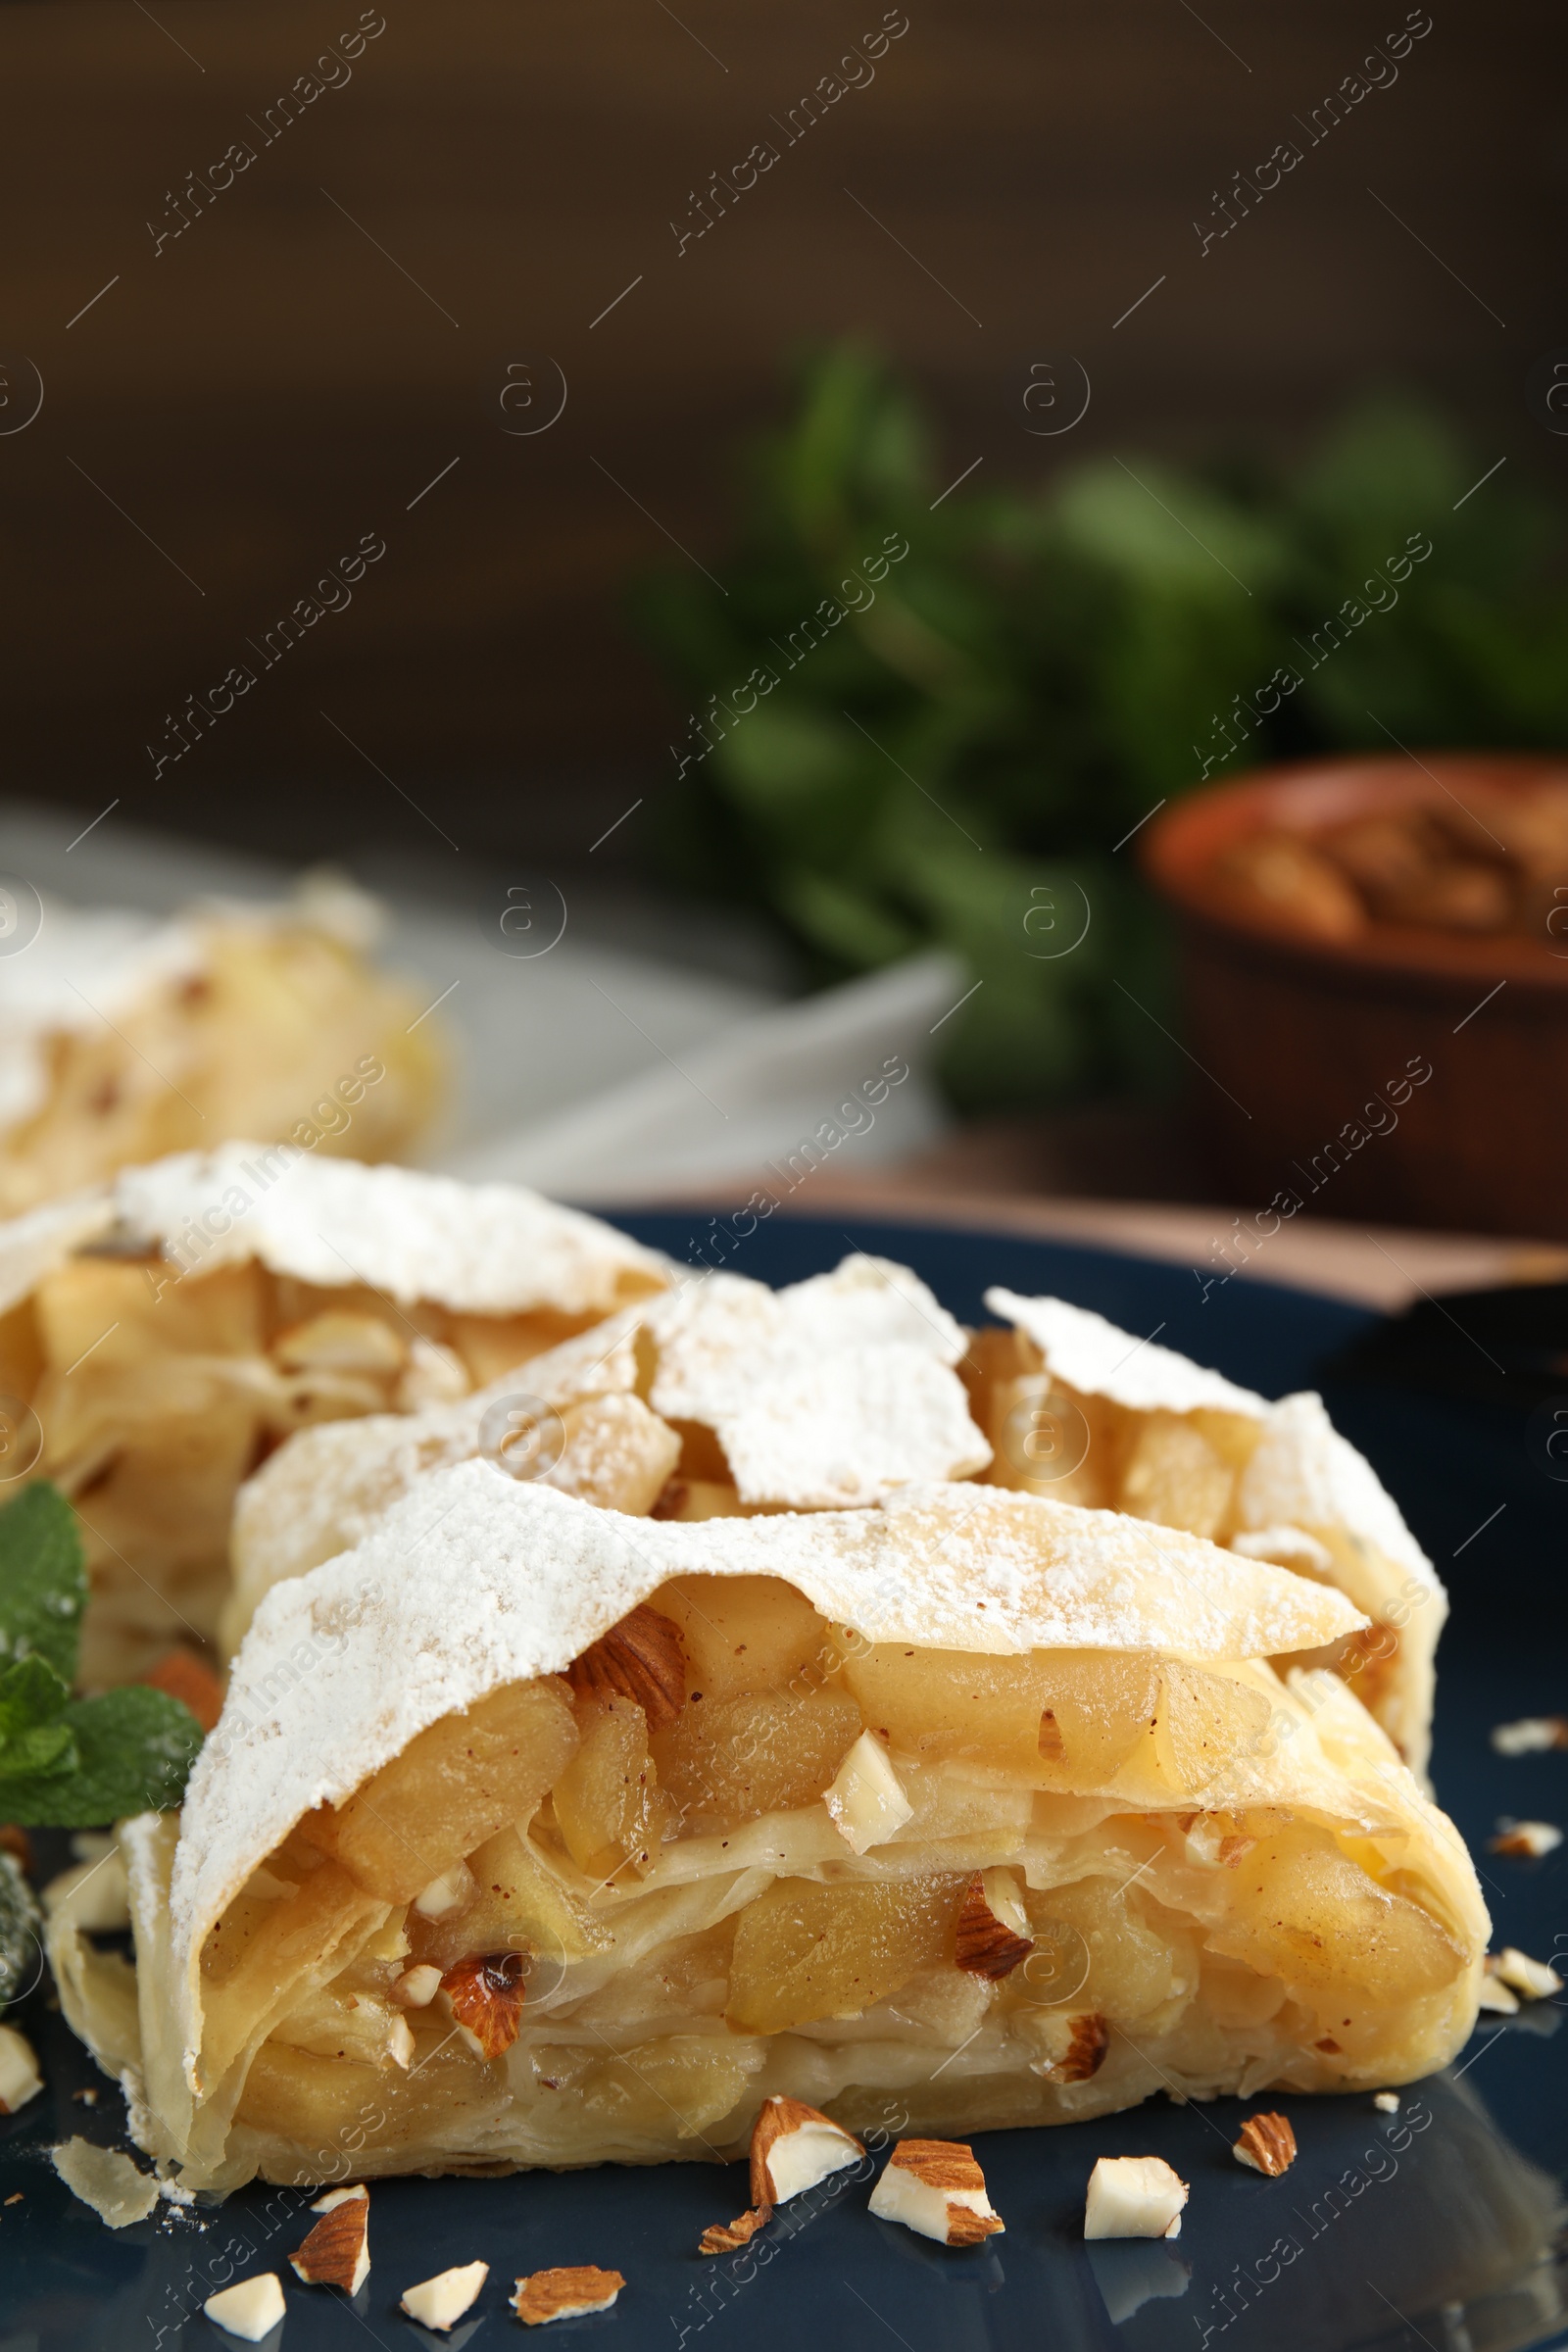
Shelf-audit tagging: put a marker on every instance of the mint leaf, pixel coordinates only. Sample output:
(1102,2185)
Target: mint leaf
(34,1735)
(71,1763)
(43,1582)
(135,1748)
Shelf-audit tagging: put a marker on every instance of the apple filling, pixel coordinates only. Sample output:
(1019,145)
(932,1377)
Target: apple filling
(1177,1469)
(156,1395)
(737,1851)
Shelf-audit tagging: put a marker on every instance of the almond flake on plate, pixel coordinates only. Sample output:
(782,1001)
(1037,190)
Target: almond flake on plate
(337,2251)
(1386,2102)
(1535,1979)
(1267,2144)
(992,1931)
(1529,1838)
(1133,2197)
(1494,1996)
(1530,1736)
(795,2147)
(567,2295)
(440,2302)
(250,2310)
(935,2187)
(726,2238)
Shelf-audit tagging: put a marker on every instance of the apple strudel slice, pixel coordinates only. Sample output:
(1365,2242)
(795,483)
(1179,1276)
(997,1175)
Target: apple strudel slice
(533,1835)
(1080,1410)
(123,1037)
(160,1334)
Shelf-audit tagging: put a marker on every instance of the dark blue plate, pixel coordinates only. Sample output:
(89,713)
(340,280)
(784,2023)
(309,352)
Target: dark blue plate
(1438,2225)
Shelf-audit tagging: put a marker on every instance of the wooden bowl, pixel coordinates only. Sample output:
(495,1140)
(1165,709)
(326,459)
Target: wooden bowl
(1412,1077)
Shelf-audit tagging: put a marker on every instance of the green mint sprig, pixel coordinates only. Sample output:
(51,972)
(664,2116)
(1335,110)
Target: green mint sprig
(71,1763)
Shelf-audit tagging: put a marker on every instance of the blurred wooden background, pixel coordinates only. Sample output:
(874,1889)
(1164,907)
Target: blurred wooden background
(283,377)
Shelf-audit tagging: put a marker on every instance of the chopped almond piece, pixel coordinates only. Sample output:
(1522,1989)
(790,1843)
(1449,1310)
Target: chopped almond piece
(993,1927)
(725,2238)
(440,2302)
(1386,2102)
(866,1797)
(1530,1840)
(337,2252)
(1133,2197)
(250,2310)
(935,2187)
(486,1997)
(418,1987)
(1530,1736)
(1494,1996)
(642,1658)
(1535,1979)
(1052,1745)
(180,1674)
(794,2147)
(568,2294)
(1266,2144)
(452,1891)
(340,1341)
(1079,2050)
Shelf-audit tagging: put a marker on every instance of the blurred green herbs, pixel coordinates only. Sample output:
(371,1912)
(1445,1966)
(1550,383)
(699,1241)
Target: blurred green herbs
(889,750)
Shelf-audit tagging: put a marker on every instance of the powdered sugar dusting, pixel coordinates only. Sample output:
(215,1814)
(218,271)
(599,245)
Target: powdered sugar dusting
(824,1396)
(1302,1473)
(832,1392)
(1093,1356)
(477,1248)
